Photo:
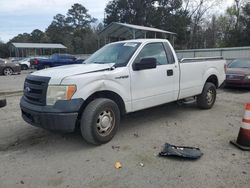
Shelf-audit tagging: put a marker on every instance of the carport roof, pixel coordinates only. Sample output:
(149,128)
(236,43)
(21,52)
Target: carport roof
(38,45)
(116,29)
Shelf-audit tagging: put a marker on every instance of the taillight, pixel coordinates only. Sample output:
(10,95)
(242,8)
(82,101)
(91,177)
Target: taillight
(35,62)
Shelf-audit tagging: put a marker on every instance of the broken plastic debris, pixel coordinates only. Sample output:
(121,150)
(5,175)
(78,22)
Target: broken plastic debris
(118,165)
(141,164)
(116,147)
(180,151)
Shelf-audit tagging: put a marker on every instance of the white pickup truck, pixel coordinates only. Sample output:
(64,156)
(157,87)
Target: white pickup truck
(120,78)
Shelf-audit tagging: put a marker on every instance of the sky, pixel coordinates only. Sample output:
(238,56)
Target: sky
(20,16)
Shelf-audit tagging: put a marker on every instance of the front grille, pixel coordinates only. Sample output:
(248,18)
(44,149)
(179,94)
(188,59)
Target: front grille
(35,89)
(234,77)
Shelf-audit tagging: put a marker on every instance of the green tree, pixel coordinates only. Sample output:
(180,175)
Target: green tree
(163,14)
(72,29)
(245,19)
(25,37)
(237,25)
(78,17)
(4,52)
(37,36)
(60,32)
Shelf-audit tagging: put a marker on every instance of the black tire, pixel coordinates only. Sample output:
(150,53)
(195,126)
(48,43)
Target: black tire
(24,67)
(207,98)
(3,103)
(7,71)
(100,114)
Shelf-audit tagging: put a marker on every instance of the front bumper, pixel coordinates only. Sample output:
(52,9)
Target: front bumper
(60,117)
(238,83)
(17,69)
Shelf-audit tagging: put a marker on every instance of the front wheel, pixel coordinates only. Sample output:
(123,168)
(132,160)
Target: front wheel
(46,66)
(24,67)
(207,98)
(100,121)
(7,71)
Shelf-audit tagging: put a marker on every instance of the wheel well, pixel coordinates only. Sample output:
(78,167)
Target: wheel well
(213,79)
(105,94)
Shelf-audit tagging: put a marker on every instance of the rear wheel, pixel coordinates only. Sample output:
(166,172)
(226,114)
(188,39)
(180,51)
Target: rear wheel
(7,71)
(207,98)
(100,121)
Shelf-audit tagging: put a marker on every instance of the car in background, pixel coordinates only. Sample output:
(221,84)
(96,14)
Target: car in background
(55,60)
(24,63)
(7,68)
(33,60)
(238,73)
(15,59)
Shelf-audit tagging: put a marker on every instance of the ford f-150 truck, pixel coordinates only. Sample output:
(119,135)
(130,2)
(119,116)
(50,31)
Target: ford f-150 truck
(120,78)
(55,60)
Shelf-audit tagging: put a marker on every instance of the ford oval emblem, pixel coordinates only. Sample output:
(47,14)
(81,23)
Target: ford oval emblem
(27,89)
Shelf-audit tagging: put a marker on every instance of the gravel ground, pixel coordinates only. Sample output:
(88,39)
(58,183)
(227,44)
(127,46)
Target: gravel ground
(14,82)
(32,157)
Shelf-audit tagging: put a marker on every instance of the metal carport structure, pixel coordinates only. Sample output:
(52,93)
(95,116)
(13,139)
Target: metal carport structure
(124,31)
(26,49)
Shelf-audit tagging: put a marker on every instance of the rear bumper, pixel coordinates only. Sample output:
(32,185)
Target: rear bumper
(60,117)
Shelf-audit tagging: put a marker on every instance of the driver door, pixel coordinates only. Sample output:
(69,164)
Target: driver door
(152,87)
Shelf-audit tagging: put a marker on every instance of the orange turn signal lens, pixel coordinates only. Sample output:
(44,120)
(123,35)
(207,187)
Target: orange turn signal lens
(70,91)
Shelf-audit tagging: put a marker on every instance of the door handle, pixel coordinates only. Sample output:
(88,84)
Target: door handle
(170,72)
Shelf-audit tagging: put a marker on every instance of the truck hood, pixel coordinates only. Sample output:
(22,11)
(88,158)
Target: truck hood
(57,74)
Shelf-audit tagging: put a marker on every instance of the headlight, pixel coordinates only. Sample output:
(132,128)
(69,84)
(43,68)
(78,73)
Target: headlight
(58,92)
(247,77)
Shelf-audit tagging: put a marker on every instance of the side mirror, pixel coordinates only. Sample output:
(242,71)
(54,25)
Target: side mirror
(145,63)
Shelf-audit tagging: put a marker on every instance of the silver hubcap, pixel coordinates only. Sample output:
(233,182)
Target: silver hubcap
(210,96)
(7,71)
(105,122)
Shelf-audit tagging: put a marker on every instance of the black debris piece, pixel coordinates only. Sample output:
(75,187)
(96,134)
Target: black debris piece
(180,152)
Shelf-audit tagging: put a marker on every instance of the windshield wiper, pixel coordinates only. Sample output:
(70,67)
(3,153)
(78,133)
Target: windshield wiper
(101,62)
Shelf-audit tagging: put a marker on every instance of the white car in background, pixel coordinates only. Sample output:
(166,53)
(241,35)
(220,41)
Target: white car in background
(25,63)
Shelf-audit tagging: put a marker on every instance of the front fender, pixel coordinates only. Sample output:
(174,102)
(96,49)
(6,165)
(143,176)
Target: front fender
(103,85)
(115,81)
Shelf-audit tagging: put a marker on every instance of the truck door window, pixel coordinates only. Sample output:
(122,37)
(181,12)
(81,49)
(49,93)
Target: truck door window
(153,50)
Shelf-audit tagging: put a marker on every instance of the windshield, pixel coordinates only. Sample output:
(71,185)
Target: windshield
(118,53)
(240,63)
(23,60)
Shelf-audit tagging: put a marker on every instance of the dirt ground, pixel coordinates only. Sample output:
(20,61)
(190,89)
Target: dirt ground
(13,83)
(31,157)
